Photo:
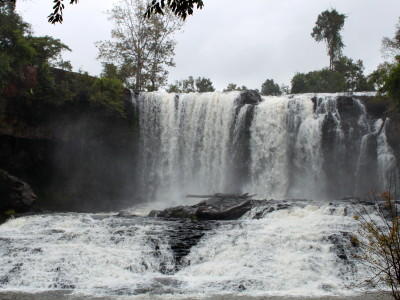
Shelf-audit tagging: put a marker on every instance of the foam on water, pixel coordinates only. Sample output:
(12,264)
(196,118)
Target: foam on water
(301,250)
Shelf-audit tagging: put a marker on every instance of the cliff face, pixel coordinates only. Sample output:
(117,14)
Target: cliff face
(78,157)
(81,156)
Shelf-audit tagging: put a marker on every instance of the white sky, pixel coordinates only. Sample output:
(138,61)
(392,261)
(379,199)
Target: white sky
(239,41)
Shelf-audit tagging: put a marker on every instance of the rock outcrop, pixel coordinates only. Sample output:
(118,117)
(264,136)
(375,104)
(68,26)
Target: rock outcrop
(211,209)
(15,193)
(248,97)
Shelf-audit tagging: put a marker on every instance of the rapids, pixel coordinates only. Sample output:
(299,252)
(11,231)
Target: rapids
(302,249)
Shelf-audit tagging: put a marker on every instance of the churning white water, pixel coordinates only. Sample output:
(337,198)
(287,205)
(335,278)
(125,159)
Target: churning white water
(298,146)
(322,146)
(300,248)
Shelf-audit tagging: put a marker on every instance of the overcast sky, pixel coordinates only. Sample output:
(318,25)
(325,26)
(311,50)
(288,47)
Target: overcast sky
(239,41)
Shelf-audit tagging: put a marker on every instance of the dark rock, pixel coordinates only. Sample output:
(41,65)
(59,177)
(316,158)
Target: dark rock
(232,213)
(179,212)
(375,106)
(248,97)
(15,193)
(393,135)
(183,235)
(211,209)
(345,104)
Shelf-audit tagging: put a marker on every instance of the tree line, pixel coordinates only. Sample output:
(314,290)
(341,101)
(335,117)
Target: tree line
(35,82)
(130,54)
(142,47)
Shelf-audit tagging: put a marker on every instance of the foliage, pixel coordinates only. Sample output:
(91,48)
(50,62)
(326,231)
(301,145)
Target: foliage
(190,85)
(64,65)
(392,83)
(142,49)
(204,85)
(180,8)
(381,243)
(327,28)
(353,73)
(108,92)
(346,76)
(270,88)
(15,50)
(47,49)
(233,87)
(18,48)
(57,15)
(323,81)
(391,47)
(378,77)
(46,90)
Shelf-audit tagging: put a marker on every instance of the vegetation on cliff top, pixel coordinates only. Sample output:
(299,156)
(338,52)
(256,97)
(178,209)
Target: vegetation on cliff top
(34,87)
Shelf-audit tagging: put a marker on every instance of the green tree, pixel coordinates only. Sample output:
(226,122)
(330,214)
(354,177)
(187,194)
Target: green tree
(64,65)
(188,85)
(353,73)
(204,85)
(233,87)
(15,51)
(47,49)
(327,29)
(174,88)
(378,77)
(392,83)
(391,47)
(141,48)
(191,85)
(270,88)
(323,81)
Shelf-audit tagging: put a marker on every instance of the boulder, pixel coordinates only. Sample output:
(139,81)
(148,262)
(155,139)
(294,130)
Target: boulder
(248,97)
(211,209)
(232,213)
(15,193)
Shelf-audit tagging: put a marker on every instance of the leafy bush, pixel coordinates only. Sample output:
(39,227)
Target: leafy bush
(381,243)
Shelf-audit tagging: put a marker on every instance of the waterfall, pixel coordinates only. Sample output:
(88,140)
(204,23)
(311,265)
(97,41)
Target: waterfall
(314,146)
(185,142)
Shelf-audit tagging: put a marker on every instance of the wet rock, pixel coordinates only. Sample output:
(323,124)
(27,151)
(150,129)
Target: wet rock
(211,209)
(393,137)
(345,104)
(179,212)
(248,97)
(232,213)
(15,193)
(375,106)
(184,234)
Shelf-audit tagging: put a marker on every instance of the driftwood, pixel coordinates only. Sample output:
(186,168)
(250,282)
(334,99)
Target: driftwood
(223,196)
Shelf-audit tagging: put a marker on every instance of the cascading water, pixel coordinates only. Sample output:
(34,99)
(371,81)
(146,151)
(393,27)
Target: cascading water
(301,248)
(299,146)
(185,143)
